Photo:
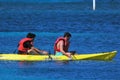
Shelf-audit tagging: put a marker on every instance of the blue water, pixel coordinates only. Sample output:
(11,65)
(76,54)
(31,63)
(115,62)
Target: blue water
(92,32)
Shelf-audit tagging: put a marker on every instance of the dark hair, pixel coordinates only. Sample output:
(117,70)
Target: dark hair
(31,35)
(67,34)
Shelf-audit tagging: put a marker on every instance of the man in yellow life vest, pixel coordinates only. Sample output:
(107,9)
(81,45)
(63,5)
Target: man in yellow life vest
(62,44)
(25,46)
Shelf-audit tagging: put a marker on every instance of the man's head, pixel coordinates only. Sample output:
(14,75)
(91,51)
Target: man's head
(67,35)
(31,35)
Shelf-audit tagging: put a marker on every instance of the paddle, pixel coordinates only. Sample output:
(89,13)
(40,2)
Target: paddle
(49,55)
(15,51)
(73,54)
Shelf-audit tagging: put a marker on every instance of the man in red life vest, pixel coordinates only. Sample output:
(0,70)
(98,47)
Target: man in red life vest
(25,46)
(62,44)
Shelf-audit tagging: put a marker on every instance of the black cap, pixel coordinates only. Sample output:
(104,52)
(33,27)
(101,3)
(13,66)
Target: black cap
(31,35)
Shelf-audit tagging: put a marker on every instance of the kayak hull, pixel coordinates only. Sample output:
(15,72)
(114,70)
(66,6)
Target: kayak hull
(95,56)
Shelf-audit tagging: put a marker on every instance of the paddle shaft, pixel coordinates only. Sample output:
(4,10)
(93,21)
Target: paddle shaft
(73,54)
(15,51)
(49,55)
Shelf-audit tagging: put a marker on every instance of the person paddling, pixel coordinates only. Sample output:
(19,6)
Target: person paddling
(25,46)
(62,44)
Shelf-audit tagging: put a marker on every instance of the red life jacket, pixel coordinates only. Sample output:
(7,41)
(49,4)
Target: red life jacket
(21,47)
(65,44)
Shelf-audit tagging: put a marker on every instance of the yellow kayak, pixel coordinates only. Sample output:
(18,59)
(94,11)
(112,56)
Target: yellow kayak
(94,56)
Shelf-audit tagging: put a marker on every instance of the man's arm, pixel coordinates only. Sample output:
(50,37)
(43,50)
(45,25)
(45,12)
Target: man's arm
(61,43)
